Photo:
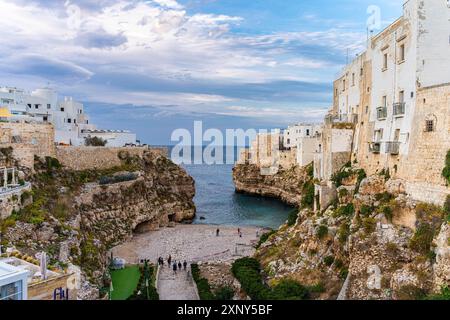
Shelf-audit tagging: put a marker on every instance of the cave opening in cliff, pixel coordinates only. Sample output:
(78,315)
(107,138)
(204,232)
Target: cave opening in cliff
(172,217)
(145,227)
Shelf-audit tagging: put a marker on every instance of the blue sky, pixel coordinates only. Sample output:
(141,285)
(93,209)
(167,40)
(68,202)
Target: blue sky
(155,66)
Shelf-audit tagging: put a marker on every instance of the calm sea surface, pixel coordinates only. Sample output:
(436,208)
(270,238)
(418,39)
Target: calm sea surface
(218,203)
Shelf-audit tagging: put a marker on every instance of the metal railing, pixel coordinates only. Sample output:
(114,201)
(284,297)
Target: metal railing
(342,118)
(399,108)
(393,147)
(381,113)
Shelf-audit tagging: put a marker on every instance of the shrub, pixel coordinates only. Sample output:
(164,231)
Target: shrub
(366,210)
(94,142)
(345,211)
(343,193)
(289,290)
(388,213)
(384,197)
(447,208)
(422,239)
(343,273)
(265,237)
(322,232)
(446,170)
(410,292)
(224,294)
(310,171)
(308,195)
(444,295)
(343,232)
(248,272)
(292,217)
(328,260)
(204,289)
(52,163)
(369,225)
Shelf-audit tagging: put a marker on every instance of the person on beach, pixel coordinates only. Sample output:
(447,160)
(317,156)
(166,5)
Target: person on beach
(217,232)
(185,265)
(239,231)
(179,265)
(169,260)
(174,268)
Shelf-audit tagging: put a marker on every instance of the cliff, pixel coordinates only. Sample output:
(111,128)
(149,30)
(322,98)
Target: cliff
(374,242)
(77,216)
(288,185)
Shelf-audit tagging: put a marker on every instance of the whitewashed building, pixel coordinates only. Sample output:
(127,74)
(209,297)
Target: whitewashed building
(13,282)
(72,124)
(293,134)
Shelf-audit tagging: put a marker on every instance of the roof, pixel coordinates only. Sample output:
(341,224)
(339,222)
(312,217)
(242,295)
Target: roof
(7,270)
(4,113)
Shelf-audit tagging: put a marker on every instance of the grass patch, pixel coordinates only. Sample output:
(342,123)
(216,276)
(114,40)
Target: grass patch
(124,282)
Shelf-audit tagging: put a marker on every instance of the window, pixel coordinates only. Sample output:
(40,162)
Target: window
(361,72)
(49,106)
(12,291)
(36,106)
(397,135)
(367,109)
(29,105)
(307,132)
(378,135)
(401,96)
(62,109)
(429,125)
(69,120)
(353,79)
(385,61)
(343,84)
(384,102)
(45,118)
(402,52)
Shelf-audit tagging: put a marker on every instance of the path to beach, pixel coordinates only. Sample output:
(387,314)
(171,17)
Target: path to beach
(193,243)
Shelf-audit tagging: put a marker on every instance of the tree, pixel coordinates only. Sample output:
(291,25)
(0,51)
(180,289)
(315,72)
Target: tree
(94,142)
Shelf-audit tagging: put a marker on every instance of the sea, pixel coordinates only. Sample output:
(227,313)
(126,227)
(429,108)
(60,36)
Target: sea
(218,204)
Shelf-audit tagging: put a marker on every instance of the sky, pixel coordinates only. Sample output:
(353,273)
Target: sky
(156,66)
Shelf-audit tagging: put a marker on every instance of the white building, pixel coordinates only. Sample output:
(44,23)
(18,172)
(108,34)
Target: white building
(66,115)
(293,134)
(13,282)
(113,138)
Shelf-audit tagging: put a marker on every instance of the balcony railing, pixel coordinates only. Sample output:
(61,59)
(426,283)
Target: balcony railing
(393,147)
(399,109)
(381,113)
(375,147)
(342,118)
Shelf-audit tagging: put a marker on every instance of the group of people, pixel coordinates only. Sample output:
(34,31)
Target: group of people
(239,233)
(175,265)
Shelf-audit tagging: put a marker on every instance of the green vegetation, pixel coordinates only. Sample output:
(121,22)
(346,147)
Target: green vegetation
(224,294)
(366,210)
(443,295)
(345,211)
(124,282)
(248,273)
(322,232)
(447,208)
(429,220)
(292,217)
(384,197)
(343,233)
(386,173)
(94,142)
(446,170)
(410,292)
(329,260)
(147,277)
(203,287)
(308,195)
(265,237)
(346,172)
(369,225)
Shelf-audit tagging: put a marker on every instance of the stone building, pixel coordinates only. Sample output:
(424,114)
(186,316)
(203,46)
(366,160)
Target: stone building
(397,95)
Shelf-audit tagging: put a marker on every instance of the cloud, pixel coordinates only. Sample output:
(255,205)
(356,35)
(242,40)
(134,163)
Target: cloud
(99,39)
(45,67)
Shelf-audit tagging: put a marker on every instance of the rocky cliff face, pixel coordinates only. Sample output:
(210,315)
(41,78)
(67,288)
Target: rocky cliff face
(385,245)
(287,185)
(77,216)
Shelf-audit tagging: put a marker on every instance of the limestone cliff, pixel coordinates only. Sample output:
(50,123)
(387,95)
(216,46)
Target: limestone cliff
(287,185)
(77,216)
(374,242)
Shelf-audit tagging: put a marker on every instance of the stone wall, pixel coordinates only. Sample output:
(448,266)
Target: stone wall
(44,290)
(85,158)
(28,140)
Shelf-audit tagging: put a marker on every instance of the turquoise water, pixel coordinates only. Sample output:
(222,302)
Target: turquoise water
(218,203)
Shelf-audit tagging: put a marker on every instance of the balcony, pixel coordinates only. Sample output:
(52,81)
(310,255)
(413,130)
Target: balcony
(342,118)
(375,147)
(393,148)
(399,109)
(381,113)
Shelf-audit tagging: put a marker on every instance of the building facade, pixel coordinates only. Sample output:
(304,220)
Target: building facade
(13,282)
(397,96)
(66,115)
